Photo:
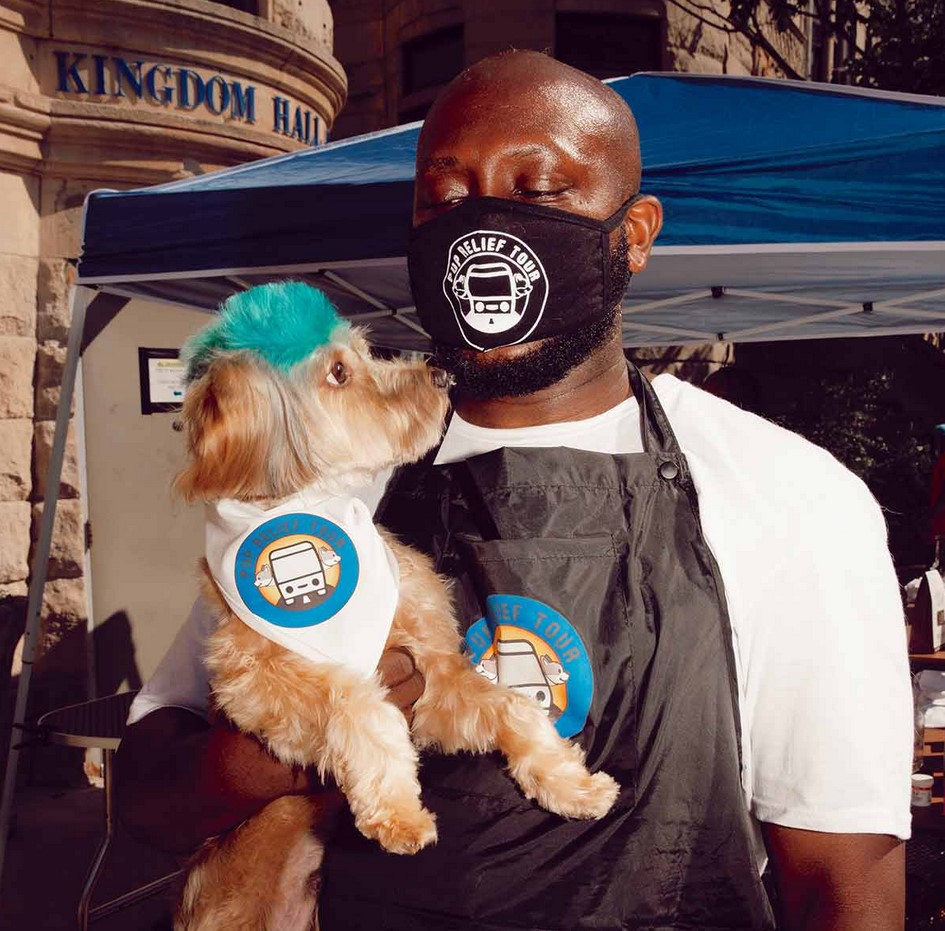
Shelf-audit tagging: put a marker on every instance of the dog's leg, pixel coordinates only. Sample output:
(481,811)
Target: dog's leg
(460,710)
(331,718)
(263,876)
(370,753)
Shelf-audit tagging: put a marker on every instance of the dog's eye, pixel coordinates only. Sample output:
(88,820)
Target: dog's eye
(338,374)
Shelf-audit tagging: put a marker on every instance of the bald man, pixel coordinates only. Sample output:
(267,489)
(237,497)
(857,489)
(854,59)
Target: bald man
(704,602)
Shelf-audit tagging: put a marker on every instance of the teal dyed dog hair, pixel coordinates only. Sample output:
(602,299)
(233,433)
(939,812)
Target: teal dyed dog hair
(283,323)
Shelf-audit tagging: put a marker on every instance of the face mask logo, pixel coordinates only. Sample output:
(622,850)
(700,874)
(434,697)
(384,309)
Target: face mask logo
(494,282)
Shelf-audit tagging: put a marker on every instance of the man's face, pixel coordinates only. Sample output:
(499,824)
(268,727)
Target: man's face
(538,141)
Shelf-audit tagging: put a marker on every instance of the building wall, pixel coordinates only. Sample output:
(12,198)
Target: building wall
(117,93)
(375,40)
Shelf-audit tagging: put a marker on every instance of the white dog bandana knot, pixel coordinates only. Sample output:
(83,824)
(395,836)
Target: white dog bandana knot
(312,574)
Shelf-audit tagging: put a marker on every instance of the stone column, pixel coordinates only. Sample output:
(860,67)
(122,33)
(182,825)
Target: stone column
(92,95)
(19,251)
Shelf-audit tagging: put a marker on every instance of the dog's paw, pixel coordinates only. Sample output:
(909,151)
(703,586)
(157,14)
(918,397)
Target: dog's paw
(588,797)
(402,831)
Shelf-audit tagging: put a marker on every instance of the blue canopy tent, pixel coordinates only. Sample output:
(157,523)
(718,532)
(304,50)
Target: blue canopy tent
(792,211)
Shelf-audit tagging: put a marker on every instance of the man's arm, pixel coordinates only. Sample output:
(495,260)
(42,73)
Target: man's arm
(837,882)
(180,779)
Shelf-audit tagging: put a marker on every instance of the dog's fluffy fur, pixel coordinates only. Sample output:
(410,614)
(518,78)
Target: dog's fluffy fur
(259,434)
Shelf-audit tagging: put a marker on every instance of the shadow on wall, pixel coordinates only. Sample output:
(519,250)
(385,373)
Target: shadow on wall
(59,680)
(115,663)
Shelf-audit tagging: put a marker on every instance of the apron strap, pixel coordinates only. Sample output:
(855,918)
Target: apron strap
(658,436)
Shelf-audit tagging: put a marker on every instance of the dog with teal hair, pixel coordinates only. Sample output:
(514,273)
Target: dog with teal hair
(286,414)
(283,323)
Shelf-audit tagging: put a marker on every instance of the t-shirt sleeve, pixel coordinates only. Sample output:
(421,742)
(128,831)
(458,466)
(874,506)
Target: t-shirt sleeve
(825,691)
(180,680)
(831,729)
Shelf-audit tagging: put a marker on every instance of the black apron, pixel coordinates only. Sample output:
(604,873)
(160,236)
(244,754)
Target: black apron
(601,600)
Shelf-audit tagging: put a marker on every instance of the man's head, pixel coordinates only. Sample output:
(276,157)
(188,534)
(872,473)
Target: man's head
(525,128)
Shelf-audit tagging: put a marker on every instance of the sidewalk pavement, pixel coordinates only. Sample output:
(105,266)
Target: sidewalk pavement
(56,833)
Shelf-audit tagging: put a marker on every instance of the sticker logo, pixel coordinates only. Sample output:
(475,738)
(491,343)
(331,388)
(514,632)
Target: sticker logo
(297,570)
(528,646)
(496,285)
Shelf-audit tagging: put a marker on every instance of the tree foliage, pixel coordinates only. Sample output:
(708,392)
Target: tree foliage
(889,44)
(861,418)
(905,48)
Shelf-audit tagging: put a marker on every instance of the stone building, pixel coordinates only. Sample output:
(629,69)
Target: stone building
(399,53)
(120,93)
(115,94)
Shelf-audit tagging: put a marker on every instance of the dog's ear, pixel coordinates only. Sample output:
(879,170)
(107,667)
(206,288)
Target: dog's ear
(228,419)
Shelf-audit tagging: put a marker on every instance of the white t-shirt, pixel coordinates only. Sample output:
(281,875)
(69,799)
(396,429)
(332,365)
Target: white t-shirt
(818,632)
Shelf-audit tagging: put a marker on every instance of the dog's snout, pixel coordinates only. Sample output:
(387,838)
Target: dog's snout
(442,378)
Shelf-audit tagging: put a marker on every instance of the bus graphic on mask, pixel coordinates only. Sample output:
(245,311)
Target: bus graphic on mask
(496,286)
(492,288)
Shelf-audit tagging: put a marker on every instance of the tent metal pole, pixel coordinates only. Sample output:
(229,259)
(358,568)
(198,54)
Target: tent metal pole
(79,300)
(407,322)
(355,290)
(909,298)
(897,311)
(847,311)
(90,658)
(685,298)
(777,297)
(671,331)
(373,301)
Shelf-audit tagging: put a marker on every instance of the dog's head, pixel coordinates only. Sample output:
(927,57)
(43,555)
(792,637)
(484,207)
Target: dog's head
(284,394)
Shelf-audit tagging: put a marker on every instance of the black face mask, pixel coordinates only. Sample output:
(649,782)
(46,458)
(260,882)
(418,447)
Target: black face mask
(494,272)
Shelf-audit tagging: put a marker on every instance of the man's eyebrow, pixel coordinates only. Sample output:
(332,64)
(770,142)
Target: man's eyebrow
(527,150)
(439,163)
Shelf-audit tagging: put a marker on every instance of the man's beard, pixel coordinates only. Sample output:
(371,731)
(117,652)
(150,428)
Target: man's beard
(549,361)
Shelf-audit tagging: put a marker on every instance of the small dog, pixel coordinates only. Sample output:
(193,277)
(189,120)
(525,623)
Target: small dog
(285,412)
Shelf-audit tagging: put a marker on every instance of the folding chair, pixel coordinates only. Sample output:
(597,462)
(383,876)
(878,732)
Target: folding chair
(101,724)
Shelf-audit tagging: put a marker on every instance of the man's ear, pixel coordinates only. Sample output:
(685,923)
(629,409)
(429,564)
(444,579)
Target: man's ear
(229,426)
(643,223)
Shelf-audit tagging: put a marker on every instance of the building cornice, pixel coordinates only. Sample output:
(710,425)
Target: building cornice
(74,109)
(239,43)
(24,122)
(79,134)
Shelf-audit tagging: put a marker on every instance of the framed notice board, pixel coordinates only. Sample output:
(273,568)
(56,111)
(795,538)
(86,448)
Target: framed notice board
(162,380)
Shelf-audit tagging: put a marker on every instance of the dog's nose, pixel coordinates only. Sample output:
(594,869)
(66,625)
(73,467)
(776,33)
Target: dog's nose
(442,378)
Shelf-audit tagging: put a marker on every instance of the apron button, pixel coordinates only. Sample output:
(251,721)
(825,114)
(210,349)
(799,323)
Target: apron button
(668,470)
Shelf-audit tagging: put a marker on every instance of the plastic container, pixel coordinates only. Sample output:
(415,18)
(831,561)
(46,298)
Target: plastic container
(921,790)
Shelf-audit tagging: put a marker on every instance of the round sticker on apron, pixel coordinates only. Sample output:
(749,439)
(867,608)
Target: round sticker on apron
(526,645)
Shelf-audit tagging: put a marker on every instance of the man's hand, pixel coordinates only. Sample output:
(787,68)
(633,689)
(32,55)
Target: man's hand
(181,779)
(403,680)
(837,882)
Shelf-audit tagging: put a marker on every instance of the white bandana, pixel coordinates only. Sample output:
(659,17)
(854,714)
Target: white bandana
(312,574)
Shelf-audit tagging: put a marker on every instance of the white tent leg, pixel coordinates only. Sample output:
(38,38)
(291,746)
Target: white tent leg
(79,300)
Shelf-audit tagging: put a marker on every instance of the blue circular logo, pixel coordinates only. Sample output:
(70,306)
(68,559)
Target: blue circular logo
(296,570)
(528,646)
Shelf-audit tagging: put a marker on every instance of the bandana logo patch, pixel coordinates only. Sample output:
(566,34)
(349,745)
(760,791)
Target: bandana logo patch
(496,286)
(297,570)
(528,646)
